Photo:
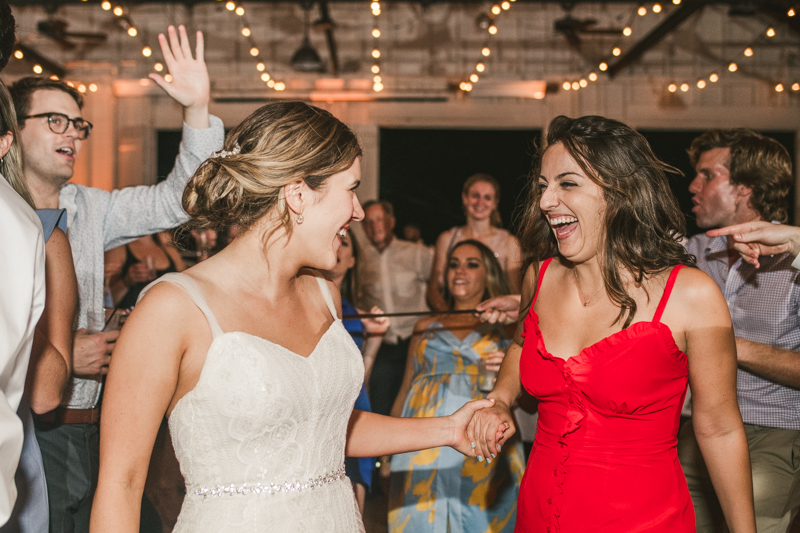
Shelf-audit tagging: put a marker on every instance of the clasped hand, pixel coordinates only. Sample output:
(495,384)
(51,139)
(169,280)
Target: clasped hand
(481,428)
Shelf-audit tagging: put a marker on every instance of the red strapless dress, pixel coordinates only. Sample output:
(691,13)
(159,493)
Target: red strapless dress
(605,457)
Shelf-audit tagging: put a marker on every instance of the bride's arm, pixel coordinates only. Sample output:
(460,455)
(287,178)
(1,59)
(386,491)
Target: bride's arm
(141,383)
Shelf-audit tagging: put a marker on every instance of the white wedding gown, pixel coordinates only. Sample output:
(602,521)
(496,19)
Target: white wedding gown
(260,439)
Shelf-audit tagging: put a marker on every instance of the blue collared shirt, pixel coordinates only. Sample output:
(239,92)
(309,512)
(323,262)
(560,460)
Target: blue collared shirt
(765,307)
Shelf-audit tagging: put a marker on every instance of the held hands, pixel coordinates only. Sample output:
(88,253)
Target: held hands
(375,327)
(503,309)
(754,239)
(489,429)
(190,85)
(462,438)
(91,353)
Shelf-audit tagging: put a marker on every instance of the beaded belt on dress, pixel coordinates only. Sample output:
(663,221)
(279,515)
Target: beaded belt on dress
(271,488)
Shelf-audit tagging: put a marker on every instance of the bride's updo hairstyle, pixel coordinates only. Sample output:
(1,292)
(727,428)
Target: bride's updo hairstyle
(643,224)
(277,145)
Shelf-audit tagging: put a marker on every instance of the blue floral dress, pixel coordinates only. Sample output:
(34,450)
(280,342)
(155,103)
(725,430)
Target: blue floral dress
(440,490)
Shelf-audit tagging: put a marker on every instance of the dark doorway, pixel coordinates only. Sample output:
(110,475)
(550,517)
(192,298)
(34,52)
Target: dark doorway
(422,172)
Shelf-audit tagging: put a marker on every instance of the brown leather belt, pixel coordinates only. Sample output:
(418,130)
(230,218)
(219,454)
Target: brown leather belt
(65,415)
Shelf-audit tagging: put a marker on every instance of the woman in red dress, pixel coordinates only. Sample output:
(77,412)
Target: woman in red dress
(614,328)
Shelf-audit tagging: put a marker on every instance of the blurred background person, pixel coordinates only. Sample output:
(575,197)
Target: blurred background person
(367,334)
(480,196)
(438,490)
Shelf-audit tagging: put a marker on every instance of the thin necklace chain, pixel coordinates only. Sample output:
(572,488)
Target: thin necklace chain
(578,285)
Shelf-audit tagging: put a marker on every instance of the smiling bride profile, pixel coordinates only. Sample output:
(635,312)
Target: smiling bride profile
(246,354)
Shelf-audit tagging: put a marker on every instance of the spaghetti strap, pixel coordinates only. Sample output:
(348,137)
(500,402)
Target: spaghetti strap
(326,294)
(667,291)
(539,282)
(192,290)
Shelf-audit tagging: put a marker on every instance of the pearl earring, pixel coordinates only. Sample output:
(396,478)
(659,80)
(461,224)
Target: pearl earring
(299,219)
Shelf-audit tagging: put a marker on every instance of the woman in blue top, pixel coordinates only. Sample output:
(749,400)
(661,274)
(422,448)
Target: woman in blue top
(367,335)
(435,490)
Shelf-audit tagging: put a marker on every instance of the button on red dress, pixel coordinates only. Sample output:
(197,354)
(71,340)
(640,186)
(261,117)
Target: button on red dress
(604,458)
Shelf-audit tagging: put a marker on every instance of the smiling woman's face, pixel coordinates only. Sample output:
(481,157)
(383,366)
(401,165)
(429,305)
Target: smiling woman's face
(466,274)
(573,204)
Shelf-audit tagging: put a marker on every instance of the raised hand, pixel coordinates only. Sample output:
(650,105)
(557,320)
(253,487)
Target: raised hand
(489,429)
(190,85)
(461,420)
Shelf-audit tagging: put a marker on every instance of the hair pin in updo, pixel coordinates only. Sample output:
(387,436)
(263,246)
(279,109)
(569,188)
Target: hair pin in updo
(225,153)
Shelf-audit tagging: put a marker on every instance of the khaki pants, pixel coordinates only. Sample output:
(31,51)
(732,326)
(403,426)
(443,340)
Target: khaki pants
(775,461)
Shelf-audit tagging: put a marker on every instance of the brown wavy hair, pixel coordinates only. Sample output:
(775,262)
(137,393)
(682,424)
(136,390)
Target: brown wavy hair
(643,224)
(279,144)
(756,161)
(496,280)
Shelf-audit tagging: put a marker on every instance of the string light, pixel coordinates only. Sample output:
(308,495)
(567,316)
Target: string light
(376,68)
(748,52)
(676,2)
(642,11)
(265,77)
(377,79)
(168,78)
(566,85)
(779,88)
(656,8)
(770,32)
(271,84)
(18,54)
(493,29)
(485,52)
(603,66)
(37,69)
(592,76)
(672,87)
(147,51)
(376,33)
(81,88)
(376,53)
(230,6)
(132,31)
(480,67)
(701,84)
(796,86)
(118,11)
(616,51)
(496,9)
(714,78)
(93,87)
(246,31)
(377,87)
(583,82)
(54,77)
(627,31)
(684,87)
(159,67)
(254,51)
(791,12)
(506,6)
(733,67)
(575,85)
(261,67)
(240,11)
(280,86)
(473,78)
(106,5)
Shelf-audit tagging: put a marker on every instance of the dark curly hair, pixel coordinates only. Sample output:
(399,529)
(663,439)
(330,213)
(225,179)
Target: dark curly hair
(643,223)
(756,161)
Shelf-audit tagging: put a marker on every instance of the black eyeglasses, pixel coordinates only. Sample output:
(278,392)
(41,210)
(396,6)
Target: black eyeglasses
(59,123)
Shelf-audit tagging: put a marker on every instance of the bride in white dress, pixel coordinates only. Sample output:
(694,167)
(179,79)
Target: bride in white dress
(246,354)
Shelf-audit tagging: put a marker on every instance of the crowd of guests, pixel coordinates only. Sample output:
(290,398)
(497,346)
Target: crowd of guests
(599,308)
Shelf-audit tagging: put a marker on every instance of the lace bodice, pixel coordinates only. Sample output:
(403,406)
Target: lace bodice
(260,439)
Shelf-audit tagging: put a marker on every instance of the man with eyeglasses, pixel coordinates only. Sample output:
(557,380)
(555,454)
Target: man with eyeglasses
(52,132)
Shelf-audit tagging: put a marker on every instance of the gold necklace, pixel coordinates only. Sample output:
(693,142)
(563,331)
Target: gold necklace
(578,285)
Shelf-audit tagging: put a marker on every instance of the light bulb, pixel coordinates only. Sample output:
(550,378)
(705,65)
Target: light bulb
(473,78)
(506,6)
(656,8)
(81,88)
(261,67)
(375,5)
(37,69)
(279,86)
(54,77)
(376,53)
(485,52)
(265,77)
(642,11)
(271,84)
(583,82)
(168,78)
(254,51)
(575,85)
(748,52)
(779,88)
(684,87)
(480,67)
(377,87)
(714,78)
(627,31)
(592,76)
(375,69)
(93,87)
(147,51)
(616,51)
(492,29)
(106,5)
(603,66)
(376,12)
(132,31)
(118,11)
(672,87)
(770,32)
(733,67)
(376,33)
(159,67)
(566,85)
(246,31)
(496,9)
(701,84)
(377,79)
(791,12)
(230,6)
(676,2)
(18,54)
(796,86)
(240,11)
(467,86)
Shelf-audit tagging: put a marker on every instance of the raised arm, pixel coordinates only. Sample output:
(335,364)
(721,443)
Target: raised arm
(717,421)
(135,211)
(141,387)
(51,358)
(436,281)
(754,239)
